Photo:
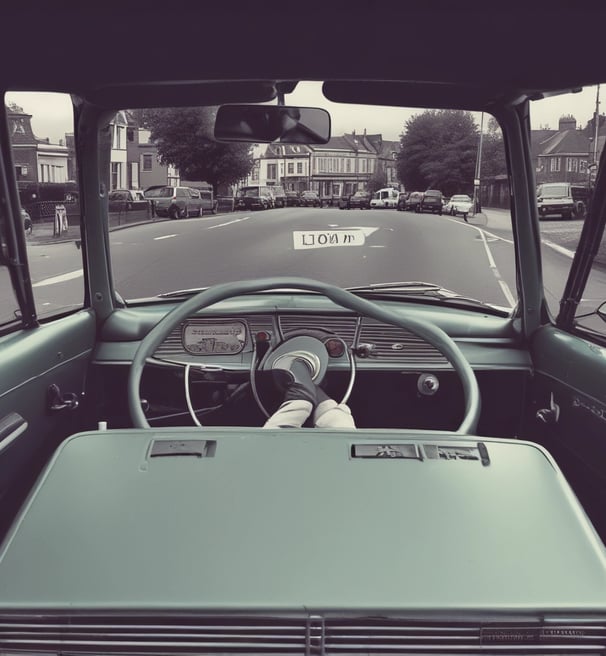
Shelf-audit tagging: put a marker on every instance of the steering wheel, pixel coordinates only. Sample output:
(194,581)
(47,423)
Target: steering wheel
(427,331)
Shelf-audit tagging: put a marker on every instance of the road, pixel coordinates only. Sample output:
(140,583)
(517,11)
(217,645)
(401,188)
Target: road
(347,248)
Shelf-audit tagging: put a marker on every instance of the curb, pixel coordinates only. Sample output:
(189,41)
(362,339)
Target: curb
(66,239)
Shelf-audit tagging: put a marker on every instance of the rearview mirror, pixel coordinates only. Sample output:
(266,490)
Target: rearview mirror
(267,123)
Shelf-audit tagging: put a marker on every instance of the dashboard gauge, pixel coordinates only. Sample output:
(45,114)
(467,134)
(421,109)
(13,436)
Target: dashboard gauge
(335,347)
(214,337)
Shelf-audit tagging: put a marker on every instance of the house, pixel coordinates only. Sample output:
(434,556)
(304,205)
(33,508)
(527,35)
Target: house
(342,166)
(564,155)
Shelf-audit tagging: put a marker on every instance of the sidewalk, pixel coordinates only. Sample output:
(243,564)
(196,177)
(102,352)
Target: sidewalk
(42,233)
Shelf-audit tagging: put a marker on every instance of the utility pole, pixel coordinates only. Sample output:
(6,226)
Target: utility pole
(596,120)
(477,207)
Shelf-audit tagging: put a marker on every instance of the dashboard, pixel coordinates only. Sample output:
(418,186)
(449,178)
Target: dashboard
(229,333)
(223,344)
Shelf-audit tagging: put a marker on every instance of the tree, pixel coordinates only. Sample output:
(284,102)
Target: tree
(493,151)
(438,150)
(184,138)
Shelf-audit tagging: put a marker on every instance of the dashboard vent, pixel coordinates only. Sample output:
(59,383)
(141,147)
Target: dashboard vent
(342,326)
(397,345)
(304,636)
(384,636)
(154,635)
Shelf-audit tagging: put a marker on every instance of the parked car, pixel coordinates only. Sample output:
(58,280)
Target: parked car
(292,199)
(360,200)
(209,204)
(401,204)
(254,197)
(562,199)
(458,204)
(125,200)
(385,198)
(411,201)
(278,195)
(310,199)
(178,202)
(431,202)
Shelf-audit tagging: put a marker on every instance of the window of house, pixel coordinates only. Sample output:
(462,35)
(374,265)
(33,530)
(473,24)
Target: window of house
(271,171)
(348,165)
(583,166)
(119,137)
(299,167)
(291,168)
(115,175)
(554,164)
(148,162)
(130,134)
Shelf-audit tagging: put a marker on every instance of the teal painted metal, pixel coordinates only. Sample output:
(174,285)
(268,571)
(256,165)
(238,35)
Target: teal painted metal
(289,520)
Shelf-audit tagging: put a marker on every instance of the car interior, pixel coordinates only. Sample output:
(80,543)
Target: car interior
(110,405)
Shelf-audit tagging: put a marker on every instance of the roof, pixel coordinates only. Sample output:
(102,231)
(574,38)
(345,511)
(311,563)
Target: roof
(501,57)
(567,142)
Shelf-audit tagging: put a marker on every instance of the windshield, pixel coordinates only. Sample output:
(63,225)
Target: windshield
(177,240)
(553,190)
(273,239)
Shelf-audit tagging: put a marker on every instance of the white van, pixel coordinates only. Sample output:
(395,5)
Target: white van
(387,197)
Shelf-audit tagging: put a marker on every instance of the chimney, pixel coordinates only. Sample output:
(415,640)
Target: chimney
(353,132)
(568,122)
(364,131)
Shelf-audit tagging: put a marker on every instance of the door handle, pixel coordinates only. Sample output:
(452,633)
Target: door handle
(57,401)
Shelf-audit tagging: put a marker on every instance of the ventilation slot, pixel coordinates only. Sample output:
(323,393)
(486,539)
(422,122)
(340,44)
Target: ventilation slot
(397,345)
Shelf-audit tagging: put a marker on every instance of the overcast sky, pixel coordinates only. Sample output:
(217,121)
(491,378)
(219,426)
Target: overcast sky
(51,113)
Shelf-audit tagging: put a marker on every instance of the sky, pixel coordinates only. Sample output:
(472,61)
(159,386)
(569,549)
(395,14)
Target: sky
(52,117)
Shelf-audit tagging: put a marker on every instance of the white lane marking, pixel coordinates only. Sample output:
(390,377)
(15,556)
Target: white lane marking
(559,249)
(306,239)
(220,225)
(57,279)
(164,237)
(493,265)
(491,262)
(333,225)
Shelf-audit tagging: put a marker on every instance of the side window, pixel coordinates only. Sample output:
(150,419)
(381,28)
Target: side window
(567,138)
(181,193)
(9,307)
(41,130)
(194,193)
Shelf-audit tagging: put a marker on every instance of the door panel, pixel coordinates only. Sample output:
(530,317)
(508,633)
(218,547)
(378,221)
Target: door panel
(56,353)
(571,371)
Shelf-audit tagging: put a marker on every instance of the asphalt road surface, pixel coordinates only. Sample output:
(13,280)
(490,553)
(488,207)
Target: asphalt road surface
(347,248)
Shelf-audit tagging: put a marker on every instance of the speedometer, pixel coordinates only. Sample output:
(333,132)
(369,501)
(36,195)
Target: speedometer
(214,337)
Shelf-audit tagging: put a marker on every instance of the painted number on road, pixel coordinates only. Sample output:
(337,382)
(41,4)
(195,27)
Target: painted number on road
(329,238)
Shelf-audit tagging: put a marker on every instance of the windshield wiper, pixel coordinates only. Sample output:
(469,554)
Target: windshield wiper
(417,289)
(182,292)
(413,286)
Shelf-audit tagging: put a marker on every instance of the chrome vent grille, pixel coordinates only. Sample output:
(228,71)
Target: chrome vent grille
(307,636)
(342,326)
(395,637)
(172,346)
(161,635)
(399,345)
